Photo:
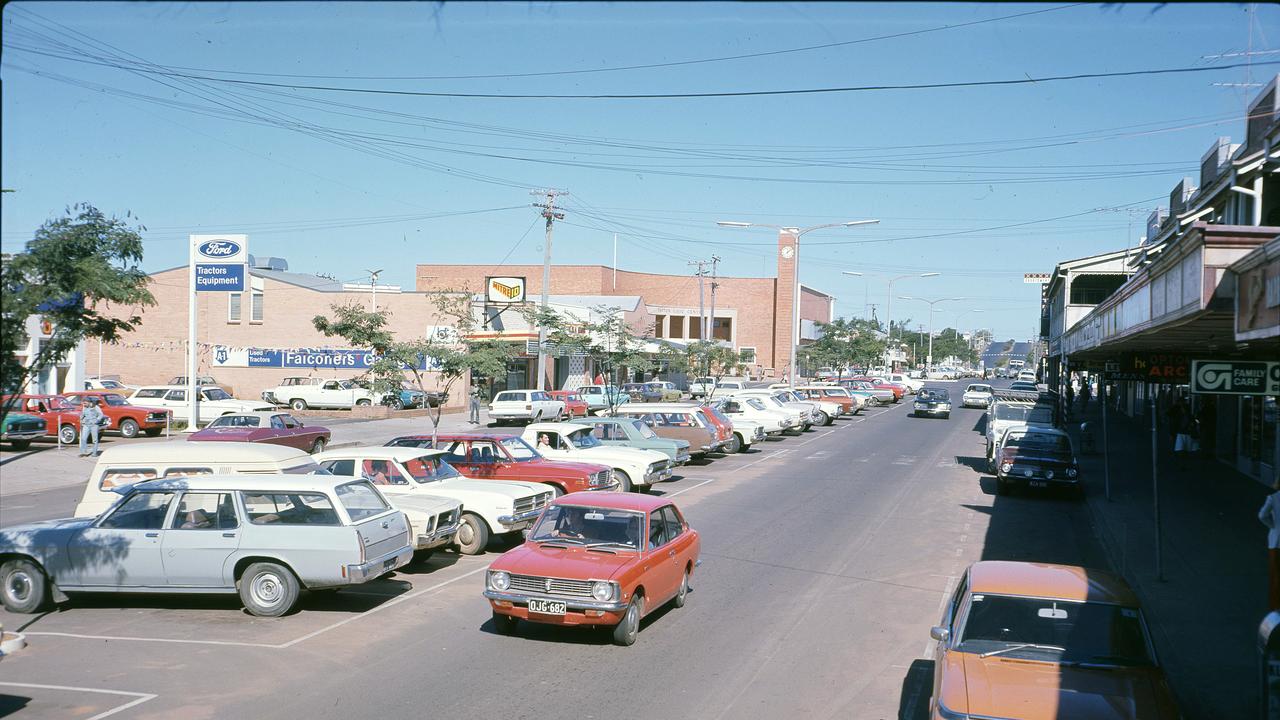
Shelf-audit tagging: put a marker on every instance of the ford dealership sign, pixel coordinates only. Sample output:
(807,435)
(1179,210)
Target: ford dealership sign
(218,249)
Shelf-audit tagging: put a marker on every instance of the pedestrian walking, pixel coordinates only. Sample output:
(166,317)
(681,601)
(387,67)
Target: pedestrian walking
(475,404)
(1071,393)
(91,418)
(1270,516)
(1085,393)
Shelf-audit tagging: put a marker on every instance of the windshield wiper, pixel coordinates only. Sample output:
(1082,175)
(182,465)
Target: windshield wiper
(1023,646)
(611,543)
(569,540)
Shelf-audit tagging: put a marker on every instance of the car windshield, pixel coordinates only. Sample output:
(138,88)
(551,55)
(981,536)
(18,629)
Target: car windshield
(978,389)
(510,397)
(216,394)
(1047,442)
(584,439)
(1013,412)
(430,468)
(933,395)
(645,431)
(785,396)
(110,384)
(243,421)
(756,404)
(577,525)
(703,381)
(519,449)
(1086,632)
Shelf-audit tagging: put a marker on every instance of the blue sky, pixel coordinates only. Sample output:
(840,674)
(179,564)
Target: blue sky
(193,155)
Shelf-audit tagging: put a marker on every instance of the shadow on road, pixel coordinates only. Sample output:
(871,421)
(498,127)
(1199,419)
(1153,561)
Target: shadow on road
(10,704)
(917,687)
(976,464)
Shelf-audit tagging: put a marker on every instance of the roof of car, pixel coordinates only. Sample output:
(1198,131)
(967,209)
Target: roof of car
(178,450)
(614,500)
(663,406)
(1030,429)
(382,452)
(1066,582)
(461,436)
(276,482)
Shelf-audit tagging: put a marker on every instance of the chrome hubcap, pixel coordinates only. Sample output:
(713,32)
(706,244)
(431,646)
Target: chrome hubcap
(465,534)
(267,589)
(19,586)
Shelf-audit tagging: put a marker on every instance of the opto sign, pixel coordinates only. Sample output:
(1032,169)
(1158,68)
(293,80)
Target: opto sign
(504,290)
(1235,377)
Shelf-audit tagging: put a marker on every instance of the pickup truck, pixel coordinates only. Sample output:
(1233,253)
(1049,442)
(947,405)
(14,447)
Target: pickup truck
(633,468)
(301,393)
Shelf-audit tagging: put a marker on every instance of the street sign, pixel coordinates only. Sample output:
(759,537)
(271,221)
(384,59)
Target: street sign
(1035,278)
(220,277)
(1235,377)
(1156,367)
(309,358)
(219,262)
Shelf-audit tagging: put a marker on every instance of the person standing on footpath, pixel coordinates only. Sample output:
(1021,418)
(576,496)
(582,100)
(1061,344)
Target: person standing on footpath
(91,418)
(1270,516)
(476,392)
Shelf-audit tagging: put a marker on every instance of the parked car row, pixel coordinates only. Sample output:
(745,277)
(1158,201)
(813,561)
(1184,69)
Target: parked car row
(58,416)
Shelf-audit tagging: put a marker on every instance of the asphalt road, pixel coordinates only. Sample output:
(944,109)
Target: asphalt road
(826,558)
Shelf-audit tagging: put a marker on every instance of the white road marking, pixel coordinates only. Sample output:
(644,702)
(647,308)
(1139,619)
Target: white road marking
(905,460)
(274,646)
(138,698)
(691,487)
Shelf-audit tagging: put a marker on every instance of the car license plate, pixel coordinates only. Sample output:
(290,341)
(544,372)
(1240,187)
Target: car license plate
(1038,483)
(388,564)
(548,607)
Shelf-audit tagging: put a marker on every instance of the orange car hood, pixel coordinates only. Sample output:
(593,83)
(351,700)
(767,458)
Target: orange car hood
(1014,688)
(573,563)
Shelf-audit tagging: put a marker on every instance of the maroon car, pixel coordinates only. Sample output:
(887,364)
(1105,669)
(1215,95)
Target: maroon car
(276,428)
(507,457)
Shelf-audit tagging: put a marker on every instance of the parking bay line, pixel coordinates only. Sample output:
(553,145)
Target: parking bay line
(273,646)
(138,698)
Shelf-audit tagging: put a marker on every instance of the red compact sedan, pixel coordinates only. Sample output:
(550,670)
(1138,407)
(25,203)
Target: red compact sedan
(596,559)
(898,390)
(506,457)
(574,405)
(276,428)
(128,420)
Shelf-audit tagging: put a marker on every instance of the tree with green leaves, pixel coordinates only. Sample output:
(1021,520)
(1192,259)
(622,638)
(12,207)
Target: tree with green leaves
(713,359)
(453,354)
(67,274)
(605,337)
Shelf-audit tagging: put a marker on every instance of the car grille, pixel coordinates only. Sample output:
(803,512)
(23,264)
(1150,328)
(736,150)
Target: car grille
(26,426)
(533,502)
(446,519)
(157,417)
(604,477)
(556,587)
(682,456)
(658,467)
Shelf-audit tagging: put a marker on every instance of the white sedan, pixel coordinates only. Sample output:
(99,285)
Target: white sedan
(977,395)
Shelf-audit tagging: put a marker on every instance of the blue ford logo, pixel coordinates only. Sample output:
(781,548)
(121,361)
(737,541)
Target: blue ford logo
(218,249)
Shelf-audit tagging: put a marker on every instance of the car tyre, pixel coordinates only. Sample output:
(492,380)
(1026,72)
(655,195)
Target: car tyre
(473,534)
(1003,487)
(365,402)
(23,587)
(946,416)
(20,445)
(129,428)
(735,444)
(68,434)
(317,447)
(625,632)
(624,480)
(504,624)
(298,404)
(682,595)
(396,403)
(556,491)
(268,589)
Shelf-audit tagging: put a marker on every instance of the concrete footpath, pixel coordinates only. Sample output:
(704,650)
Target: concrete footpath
(45,466)
(1204,611)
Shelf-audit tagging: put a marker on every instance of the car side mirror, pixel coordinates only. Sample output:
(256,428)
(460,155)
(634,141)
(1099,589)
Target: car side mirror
(939,633)
(525,533)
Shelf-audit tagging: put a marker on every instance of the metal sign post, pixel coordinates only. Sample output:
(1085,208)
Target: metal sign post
(218,263)
(1155,487)
(1106,443)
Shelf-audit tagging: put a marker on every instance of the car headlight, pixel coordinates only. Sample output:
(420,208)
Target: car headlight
(602,590)
(1048,475)
(1006,467)
(1072,472)
(499,580)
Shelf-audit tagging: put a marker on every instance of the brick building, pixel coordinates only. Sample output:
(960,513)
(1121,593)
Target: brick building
(751,313)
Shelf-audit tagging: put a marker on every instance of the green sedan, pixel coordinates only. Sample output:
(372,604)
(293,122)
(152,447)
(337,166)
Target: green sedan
(632,432)
(19,429)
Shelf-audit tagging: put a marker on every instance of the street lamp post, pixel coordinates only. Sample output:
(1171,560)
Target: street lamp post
(888,312)
(797,233)
(928,366)
(866,290)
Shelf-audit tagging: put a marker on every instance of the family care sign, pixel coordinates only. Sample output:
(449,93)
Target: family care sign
(1235,377)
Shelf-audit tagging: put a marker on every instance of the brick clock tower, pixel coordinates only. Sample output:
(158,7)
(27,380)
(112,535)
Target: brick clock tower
(784,291)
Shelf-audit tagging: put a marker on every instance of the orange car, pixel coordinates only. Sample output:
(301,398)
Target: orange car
(1037,641)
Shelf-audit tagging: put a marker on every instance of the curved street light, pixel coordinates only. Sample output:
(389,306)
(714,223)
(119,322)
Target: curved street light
(795,300)
(928,367)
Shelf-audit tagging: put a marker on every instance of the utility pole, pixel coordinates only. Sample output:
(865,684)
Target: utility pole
(373,289)
(702,317)
(551,214)
(715,260)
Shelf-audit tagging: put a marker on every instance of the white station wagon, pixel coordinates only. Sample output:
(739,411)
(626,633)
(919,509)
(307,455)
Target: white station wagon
(524,405)
(489,507)
(266,537)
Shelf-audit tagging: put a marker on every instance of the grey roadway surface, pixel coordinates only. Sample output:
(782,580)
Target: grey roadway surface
(826,558)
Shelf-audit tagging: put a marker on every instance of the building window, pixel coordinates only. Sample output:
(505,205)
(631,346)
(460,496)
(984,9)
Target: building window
(256,310)
(747,355)
(695,328)
(677,326)
(659,326)
(233,307)
(722,329)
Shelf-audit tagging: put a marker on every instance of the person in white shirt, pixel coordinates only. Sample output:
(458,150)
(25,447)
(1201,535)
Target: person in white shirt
(1270,516)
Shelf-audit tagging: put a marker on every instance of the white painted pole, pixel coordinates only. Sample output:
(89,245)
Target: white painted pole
(193,404)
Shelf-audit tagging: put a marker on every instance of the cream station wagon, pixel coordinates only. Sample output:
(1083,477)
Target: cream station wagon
(266,537)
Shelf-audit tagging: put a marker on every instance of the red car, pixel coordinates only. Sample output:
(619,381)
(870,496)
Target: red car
(61,419)
(507,457)
(574,405)
(596,559)
(723,427)
(126,419)
(898,390)
(276,428)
